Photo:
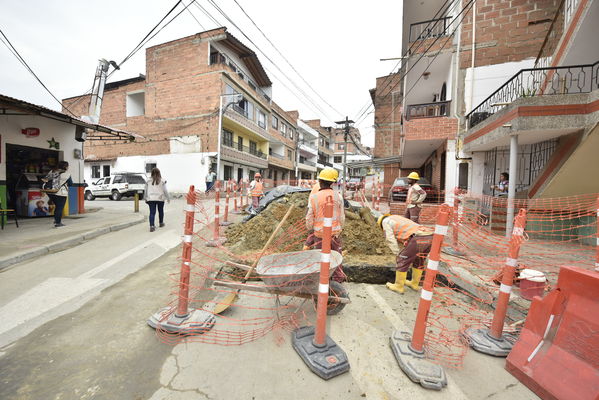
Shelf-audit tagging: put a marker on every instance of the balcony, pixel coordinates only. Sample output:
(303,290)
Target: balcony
(240,116)
(429,29)
(308,148)
(231,151)
(428,110)
(535,82)
(219,58)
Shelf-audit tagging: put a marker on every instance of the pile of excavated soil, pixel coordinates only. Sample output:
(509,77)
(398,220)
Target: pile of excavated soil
(363,241)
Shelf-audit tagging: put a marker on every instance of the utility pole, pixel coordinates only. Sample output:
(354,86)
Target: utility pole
(347,123)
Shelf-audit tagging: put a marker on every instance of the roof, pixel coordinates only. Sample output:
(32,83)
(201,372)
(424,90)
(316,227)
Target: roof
(102,132)
(249,58)
(117,84)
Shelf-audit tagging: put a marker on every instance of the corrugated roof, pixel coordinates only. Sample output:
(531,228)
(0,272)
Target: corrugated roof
(21,106)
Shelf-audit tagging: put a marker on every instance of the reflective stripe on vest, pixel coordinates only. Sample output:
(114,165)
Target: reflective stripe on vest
(258,190)
(318,201)
(403,228)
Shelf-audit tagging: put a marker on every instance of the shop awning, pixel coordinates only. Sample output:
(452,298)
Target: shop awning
(12,106)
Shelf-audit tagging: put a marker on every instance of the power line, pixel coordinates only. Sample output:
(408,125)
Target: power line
(284,58)
(15,52)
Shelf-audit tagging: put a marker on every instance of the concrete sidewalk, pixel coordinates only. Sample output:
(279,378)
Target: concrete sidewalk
(37,236)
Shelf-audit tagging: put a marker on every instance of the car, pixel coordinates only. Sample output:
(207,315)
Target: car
(399,190)
(116,186)
(354,184)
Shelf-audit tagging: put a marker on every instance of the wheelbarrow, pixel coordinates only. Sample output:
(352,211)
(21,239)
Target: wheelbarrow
(294,274)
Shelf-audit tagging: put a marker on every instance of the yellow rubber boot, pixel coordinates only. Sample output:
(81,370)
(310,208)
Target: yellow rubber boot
(414,283)
(400,280)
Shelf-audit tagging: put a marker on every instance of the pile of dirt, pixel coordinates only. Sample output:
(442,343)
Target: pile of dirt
(363,240)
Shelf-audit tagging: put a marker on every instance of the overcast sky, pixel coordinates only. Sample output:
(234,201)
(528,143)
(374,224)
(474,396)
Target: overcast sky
(334,45)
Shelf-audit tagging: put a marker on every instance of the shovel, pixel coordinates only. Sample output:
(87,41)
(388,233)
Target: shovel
(232,297)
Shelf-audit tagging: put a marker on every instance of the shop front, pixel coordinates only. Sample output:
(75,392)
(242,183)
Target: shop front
(33,139)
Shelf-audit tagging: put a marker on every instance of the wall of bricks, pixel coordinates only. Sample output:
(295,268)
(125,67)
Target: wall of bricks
(431,128)
(387,115)
(428,215)
(506,30)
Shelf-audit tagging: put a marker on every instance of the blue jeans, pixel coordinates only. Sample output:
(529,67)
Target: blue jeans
(209,186)
(59,202)
(153,205)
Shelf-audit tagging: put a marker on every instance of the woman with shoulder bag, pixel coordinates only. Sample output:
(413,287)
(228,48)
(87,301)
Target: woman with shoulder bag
(58,181)
(155,195)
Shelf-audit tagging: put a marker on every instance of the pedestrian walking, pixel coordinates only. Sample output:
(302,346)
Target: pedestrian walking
(414,198)
(155,195)
(59,181)
(256,190)
(315,216)
(416,241)
(210,179)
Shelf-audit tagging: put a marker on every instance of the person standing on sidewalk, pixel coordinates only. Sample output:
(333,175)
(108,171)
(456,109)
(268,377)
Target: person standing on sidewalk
(156,194)
(210,178)
(60,181)
(256,190)
(414,198)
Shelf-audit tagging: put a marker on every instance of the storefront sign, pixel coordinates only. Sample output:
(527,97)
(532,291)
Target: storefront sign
(31,132)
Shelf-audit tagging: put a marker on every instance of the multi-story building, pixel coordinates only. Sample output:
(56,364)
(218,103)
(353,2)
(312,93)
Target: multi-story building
(325,144)
(282,148)
(176,105)
(307,151)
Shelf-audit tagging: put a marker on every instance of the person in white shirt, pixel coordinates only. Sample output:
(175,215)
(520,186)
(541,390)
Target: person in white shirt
(155,195)
(210,178)
(414,198)
(59,180)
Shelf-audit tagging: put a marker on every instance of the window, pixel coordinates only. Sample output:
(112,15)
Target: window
(106,170)
(340,146)
(283,129)
(228,172)
(227,138)
(239,143)
(261,119)
(149,167)
(95,171)
(290,155)
(275,122)
(253,148)
(135,104)
(321,141)
(250,110)
(118,179)
(291,133)
(270,151)
(338,159)
(134,179)
(107,180)
(327,143)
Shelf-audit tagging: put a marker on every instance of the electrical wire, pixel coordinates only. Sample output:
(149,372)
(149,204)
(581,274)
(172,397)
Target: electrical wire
(15,52)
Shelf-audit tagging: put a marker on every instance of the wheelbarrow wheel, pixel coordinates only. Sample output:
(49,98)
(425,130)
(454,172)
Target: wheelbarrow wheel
(336,290)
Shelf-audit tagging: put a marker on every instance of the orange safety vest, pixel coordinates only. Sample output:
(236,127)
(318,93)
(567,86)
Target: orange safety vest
(258,190)
(403,228)
(318,201)
(315,188)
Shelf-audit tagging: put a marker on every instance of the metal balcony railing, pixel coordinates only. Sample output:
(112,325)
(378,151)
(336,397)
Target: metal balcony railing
(219,58)
(533,82)
(276,155)
(429,29)
(244,149)
(428,110)
(306,162)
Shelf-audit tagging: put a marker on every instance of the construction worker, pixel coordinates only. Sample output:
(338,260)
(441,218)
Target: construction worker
(416,240)
(315,216)
(414,198)
(256,190)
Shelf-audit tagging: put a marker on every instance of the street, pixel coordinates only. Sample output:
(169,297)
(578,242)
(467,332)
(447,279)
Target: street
(75,328)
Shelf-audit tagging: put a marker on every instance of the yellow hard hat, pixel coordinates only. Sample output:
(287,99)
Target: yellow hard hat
(329,174)
(381,218)
(414,175)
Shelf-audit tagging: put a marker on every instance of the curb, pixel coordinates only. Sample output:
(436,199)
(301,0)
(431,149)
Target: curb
(65,243)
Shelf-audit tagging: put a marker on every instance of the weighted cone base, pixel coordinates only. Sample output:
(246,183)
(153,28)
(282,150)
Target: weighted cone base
(482,341)
(327,361)
(196,322)
(216,243)
(414,365)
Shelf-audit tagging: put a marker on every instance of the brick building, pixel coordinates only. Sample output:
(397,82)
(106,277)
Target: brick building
(175,106)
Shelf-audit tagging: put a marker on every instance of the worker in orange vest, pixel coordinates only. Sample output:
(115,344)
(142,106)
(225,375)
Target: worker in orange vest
(256,190)
(315,216)
(416,240)
(414,198)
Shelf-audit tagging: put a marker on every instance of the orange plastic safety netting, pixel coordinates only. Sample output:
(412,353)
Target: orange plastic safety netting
(558,231)
(278,295)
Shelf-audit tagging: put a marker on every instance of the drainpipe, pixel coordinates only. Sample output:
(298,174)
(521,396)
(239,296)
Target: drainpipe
(511,194)
(473,54)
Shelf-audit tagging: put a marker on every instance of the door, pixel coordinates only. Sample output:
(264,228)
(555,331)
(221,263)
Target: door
(105,187)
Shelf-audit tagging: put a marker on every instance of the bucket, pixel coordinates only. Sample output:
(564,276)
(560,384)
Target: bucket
(532,283)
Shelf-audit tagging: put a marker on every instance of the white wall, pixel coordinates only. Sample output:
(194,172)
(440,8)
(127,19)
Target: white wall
(179,170)
(451,170)
(475,185)
(63,133)
(489,78)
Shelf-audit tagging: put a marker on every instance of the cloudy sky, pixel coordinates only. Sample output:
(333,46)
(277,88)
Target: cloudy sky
(335,45)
